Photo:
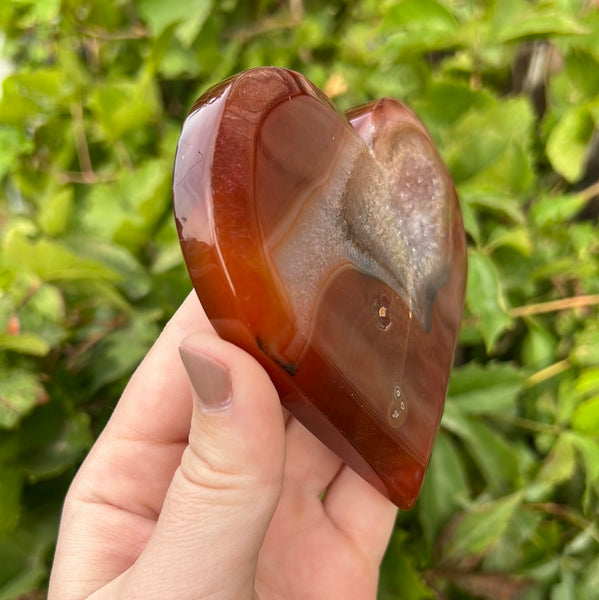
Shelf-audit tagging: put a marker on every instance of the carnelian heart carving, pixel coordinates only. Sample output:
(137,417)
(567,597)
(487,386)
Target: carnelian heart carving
(333,250)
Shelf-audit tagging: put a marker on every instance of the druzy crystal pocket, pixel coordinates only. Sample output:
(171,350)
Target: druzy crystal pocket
(331,248)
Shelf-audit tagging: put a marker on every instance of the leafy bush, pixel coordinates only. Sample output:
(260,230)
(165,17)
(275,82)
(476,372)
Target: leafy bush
(92,102)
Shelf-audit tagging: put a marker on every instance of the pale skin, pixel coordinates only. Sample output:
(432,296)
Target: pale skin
(178,502)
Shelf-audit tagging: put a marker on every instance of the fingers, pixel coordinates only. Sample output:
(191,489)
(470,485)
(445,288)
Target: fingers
(353,506)
(360,512)
(310,465)
(222,497)
(113,503)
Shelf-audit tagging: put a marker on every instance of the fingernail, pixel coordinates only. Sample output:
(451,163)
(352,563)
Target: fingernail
(210,379)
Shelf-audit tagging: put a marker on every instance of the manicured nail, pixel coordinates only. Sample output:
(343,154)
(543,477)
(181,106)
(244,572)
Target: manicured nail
(210,379)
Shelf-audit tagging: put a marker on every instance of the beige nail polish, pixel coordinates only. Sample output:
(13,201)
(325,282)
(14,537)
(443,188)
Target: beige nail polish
(210,379)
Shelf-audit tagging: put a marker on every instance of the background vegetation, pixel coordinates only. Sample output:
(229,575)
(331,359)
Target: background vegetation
(93,98)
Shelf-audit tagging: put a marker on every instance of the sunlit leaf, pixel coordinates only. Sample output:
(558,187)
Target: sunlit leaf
(556,210)
(484,297)
(188,16)
(525,21)
(54,261)
(586,416)
(568,141)
(25,343)
(124,106)
(560,463)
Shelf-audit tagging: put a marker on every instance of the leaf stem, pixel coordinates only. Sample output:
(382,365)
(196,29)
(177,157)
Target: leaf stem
(554,305)
(81,146)
(547,373)
(591,191)
(567,514)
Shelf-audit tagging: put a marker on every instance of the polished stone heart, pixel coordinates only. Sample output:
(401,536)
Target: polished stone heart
(332,249)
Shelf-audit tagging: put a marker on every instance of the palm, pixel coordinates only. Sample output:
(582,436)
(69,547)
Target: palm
(322,547)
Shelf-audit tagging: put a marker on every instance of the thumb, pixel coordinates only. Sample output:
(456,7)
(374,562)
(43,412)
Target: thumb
(224,493)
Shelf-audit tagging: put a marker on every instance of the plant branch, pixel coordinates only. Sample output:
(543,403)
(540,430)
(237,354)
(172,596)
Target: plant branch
(84,177)
(554,305)
(81,146)
(547,373)
(135,33)
(591,191)
(566,513)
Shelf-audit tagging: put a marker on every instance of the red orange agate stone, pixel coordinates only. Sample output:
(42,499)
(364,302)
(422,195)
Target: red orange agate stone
(332,249)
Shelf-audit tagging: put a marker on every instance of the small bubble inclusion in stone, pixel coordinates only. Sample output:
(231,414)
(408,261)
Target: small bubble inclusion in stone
(381,312)
(398,407)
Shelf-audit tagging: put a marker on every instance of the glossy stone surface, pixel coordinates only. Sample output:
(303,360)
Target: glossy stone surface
(332,249)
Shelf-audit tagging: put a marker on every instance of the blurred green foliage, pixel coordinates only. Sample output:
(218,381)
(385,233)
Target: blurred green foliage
(93,97)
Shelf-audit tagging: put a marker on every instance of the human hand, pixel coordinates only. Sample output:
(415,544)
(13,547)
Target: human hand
(220,497)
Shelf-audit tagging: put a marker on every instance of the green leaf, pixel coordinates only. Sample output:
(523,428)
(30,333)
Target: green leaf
(444,489)
(516,238)
(399,575)
(586,350)
(188,16)
(62,452)
(23,555)
(556,210)
(524,20)
(587,448)
(134,280)
(33,94)
(14,143)
(124,106)
(418,25)
(586,416)
(20,391)
(588,581)
(497,459)
(539,345)
(500,159)
(126,211)
(484,298)
(476,531)
(446,101)
(560,464)
(25,343)
(420,15)
(499,205)
(475,388)
(52,260)
(566,588)
(55,211)
(568,141)
(588,380)
(580,76)
(124,349)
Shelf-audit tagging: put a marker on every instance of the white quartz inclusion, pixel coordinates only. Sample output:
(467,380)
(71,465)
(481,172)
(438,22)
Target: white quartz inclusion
(385,217)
